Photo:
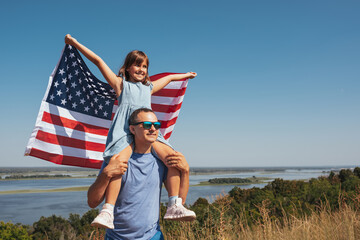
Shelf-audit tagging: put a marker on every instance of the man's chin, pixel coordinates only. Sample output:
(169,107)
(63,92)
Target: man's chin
(151,139)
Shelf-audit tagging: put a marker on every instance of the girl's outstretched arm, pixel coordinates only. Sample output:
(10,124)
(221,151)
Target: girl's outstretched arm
(114,81)
(162,82)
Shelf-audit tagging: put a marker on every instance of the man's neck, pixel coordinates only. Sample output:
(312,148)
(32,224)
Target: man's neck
(142,148)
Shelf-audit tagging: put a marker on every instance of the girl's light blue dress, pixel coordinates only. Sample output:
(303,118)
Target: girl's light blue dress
(133,96)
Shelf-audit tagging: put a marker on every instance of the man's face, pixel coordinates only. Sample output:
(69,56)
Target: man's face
(145,135)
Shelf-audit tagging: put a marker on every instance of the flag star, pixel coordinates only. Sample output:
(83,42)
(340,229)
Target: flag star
(97,91)
(64,80)
(72,55)
(103,89)
(82,101)
(105,114)
(70,47)
(107,102)
(74,105)
(81,67)
(84,89)
(96,99)
(67,67)
(79,60)
(78,93)
(96,111)
(86,109)
(70,76)
(59,92)
(73,84)
(52,97)
(65,59)
(74,64)
(90,79)
(92,104)
(112,90)
(61,71)
(99,83)
(91,92)
(76,72)
(80,80)
(63,101)
(67,89)
(70,97)
(100,107)
(56,84)
(88,97)
(88,73)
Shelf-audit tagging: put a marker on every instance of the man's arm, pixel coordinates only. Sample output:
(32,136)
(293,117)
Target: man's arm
(178,161)
(116,168)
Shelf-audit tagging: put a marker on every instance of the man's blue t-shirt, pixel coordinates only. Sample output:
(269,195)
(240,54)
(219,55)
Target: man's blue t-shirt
(137,209)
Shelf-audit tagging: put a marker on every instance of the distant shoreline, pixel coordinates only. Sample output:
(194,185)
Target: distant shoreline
(45,178)
(72,189)
(85,188)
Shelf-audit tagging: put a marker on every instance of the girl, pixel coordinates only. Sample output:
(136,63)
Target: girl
(133,90)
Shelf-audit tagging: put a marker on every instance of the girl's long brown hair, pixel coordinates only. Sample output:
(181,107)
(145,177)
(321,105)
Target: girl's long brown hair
(136,57)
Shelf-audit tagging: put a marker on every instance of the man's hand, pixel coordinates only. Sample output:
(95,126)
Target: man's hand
(178,161)
(117,166)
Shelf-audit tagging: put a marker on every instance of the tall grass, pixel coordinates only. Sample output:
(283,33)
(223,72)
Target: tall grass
(322,223)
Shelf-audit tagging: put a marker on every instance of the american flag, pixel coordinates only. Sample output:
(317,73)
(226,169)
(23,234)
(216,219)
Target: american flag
(77,109)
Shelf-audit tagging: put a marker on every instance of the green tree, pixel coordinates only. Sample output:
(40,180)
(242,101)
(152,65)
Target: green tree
(345,174)
(9,231)
(53,228)
(357,172)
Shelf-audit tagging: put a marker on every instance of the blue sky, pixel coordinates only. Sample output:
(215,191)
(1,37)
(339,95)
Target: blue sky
(278,81)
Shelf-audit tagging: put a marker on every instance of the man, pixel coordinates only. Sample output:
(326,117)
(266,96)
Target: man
(136,213)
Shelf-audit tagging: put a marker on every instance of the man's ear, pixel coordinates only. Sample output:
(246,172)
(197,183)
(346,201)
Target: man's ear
(132,129)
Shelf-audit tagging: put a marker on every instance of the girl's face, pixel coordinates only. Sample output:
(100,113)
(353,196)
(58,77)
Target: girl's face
(137,72)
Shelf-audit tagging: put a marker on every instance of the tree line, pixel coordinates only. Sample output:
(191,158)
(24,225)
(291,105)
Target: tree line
(37,176)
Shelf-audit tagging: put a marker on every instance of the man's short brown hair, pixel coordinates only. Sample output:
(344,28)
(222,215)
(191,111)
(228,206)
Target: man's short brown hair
(133,116)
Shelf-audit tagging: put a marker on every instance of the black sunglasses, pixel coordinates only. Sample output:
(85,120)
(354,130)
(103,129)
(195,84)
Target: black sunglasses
(147,125)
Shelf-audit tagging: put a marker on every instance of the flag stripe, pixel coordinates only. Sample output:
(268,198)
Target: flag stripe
(67,132)
(69,142)
(167,130)
(166,100)
(170,92)
(166,136)
(65,150)
(165,108)
(167,116)
(166,124)
(66,160)
(68,123)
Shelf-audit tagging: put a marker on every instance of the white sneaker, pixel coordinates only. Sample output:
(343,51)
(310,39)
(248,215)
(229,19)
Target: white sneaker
(105,219)
(178,212)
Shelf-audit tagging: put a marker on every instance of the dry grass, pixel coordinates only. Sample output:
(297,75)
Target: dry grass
(323,224)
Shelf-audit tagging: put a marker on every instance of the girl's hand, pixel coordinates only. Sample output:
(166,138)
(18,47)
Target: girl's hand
(191,75)
(69,39)
(178,161)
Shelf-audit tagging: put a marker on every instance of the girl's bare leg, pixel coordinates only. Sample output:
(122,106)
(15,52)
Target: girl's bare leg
(105,219)
(175,209)
(173,174)
(113,189)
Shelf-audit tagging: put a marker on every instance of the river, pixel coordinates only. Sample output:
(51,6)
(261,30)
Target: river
(29,207)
